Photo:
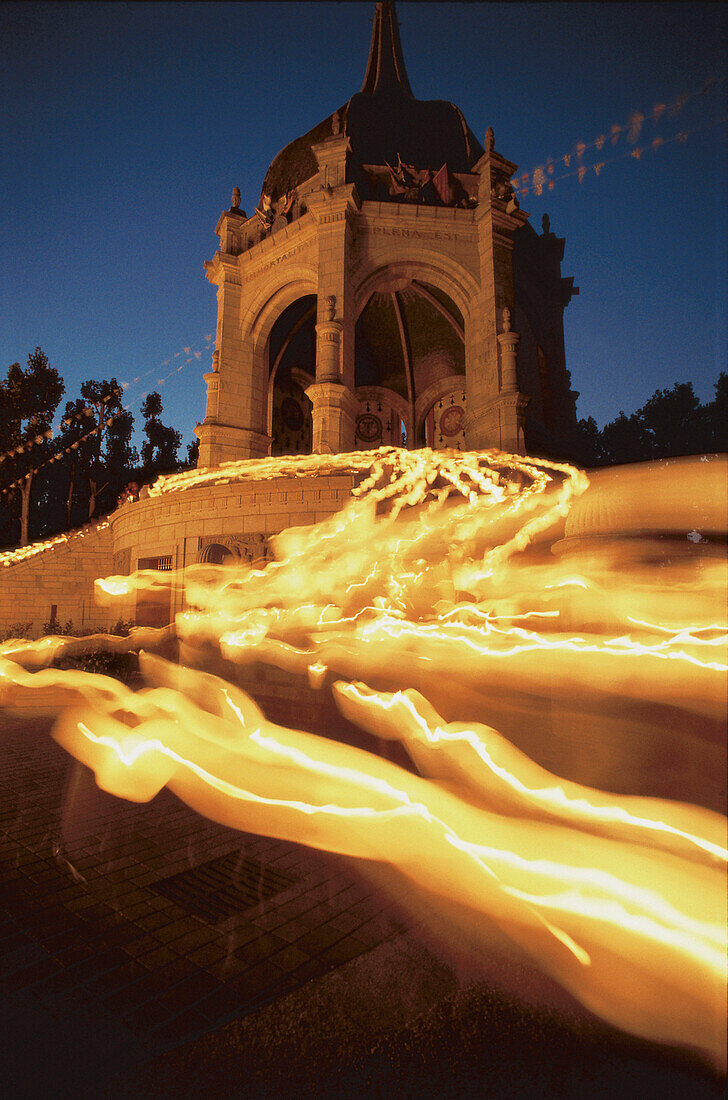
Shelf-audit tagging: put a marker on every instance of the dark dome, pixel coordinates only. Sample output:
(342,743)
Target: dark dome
(383,121)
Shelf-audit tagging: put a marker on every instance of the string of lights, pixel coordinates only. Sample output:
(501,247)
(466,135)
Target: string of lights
(543,175)
(61,454)
(187,350)
(126,388)
(539,182)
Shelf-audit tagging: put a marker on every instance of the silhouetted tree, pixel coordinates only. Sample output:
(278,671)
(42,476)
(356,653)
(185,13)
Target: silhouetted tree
(193,454)
(159,451)
(673,422)
(670,423)
(28,401)
(716,415)
(96,434)
(589,446)
(105,399)
(65,501)
(120,459)
(624,439)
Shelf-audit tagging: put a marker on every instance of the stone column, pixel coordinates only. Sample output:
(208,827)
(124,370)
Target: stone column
(334,407)
(213,389)
(328,345)
(334,417)
(490,358)
(508,343)
(511,404)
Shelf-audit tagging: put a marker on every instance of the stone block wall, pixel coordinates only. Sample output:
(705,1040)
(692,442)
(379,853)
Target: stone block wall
(59,574)
(175,526)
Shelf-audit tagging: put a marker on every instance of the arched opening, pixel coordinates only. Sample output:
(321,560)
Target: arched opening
(409,343)
(215,554)
(443,425)
(292,367)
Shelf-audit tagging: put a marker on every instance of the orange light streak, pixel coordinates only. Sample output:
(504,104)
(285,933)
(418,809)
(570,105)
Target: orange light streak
(438,576)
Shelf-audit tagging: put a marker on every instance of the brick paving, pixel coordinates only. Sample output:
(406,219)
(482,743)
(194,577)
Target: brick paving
(103,912)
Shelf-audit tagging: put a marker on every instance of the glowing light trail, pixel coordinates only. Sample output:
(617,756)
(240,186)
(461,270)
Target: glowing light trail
(434,597)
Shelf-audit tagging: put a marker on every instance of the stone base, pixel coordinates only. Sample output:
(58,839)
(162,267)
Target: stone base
(334,414)
(499,424)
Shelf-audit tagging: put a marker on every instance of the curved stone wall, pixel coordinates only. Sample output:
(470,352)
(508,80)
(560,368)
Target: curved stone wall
(167,529)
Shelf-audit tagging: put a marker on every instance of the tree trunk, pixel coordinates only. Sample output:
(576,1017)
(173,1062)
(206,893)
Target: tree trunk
(71,486)
(92,499)
(25,507)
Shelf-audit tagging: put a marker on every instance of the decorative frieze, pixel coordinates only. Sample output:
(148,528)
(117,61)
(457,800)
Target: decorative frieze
(246,548)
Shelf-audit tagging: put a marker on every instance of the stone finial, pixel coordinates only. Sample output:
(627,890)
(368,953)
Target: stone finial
(506,319)
(235,201)
(546,224)
(489,140)
(330,307)
(216,361)
(336,124)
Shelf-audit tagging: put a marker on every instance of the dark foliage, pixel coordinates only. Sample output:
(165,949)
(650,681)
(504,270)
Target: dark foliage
(671,423)
(82,471)
(28,401)
(159,451)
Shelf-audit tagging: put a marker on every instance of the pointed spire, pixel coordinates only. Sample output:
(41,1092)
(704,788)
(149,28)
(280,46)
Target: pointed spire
(385,68)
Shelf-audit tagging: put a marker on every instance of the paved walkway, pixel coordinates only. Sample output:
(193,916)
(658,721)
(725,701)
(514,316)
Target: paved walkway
(145,951)
(148,921)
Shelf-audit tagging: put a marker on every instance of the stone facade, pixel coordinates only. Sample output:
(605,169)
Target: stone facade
(387,291)
(165,532)
(343,234)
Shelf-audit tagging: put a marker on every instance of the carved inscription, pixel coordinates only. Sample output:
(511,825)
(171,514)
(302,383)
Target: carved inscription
(274,263)
(418,234)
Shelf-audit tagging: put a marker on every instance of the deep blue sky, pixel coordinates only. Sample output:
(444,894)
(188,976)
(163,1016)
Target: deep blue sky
(126,126)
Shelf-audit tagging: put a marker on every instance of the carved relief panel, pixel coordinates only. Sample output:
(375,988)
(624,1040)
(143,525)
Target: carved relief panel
(218,549)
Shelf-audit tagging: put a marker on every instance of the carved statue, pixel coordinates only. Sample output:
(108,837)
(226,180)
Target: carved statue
(235,201)
(546,224)
(502,190)
(330,307)
(265,213)
(336,124)
(489,140)
(506,319)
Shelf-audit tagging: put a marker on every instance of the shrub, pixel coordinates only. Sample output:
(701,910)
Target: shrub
(15,630)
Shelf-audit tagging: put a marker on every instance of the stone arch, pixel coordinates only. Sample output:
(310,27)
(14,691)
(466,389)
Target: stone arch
(411,287)
(291,370)
(215,553)
(273,297)
(437,390)
(393,403)
(261,314)
(437,270)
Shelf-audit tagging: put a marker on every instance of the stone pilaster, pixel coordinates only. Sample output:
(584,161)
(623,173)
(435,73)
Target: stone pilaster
(335,211)
(508,343)
(221,442)
(489,363)
(331,154)
(231,401)
(230,231)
